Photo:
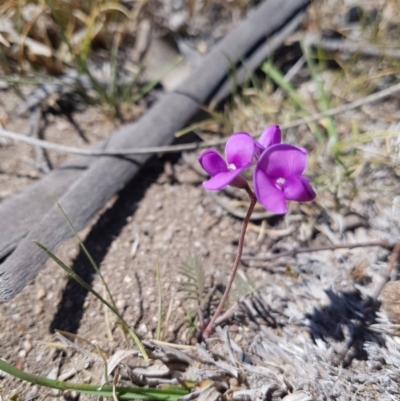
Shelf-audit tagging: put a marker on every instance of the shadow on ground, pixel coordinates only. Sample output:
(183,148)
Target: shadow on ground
(345,320)
(108,226)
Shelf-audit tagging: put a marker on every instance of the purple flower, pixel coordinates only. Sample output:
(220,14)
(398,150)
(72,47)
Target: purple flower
(278,177)
(239,153)
(270,136)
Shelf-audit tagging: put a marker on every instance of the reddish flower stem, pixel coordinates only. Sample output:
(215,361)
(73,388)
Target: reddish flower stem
(210,327)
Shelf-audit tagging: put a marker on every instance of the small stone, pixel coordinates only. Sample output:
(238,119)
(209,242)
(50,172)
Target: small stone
(142,329)
(22,353)
(121,304)
(234,384)
(27,345)
(238,338)
(39,309)
(41,293)
(53,374)
(390,298)
(202,47)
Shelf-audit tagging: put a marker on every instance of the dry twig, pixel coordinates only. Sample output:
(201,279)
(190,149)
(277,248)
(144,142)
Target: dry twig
(294,252)
(393,261)
(193,146)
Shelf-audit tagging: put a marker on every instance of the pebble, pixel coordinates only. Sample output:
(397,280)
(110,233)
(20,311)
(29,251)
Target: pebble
(22,353)
(233,383)
(390,298)
(238,338)
(27,345)
(121,304)
(39,308)
(142,329)
(41,293)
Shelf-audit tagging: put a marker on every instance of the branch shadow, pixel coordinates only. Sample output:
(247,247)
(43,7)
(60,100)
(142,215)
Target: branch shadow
(109,225)
(346,319)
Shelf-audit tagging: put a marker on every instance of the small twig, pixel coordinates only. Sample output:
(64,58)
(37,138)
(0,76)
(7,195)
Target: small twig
(239,213)
(294,70)
(167,318)
(228,313)
(34,129)
(135,241)
(225,316)
(75,346)
(193,146)
(393,260)
(176,346)
(294,252)
(348,46)
(224,298)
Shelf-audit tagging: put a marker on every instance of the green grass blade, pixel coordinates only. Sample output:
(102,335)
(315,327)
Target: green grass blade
(323,98)
(84,284)
(270,70)
(86,252)
(123,393)
(149,86)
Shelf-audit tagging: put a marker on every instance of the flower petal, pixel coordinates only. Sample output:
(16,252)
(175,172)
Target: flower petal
(271,136)
(212,162)
(298,189)
(221,180)
(268,194)
(283,160)
(239,150)
(258,149)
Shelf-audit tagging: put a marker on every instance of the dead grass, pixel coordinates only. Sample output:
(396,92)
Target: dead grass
(364,141)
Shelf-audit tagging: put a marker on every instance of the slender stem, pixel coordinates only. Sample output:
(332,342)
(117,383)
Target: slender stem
(210,327)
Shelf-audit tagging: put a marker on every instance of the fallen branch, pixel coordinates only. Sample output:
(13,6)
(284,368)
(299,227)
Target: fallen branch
(195,145)
(107,175)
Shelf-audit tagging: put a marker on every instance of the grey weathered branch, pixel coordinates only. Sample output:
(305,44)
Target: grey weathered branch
(89,191)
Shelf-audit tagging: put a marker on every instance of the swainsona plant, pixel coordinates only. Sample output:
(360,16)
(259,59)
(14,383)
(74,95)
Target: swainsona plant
(277,178)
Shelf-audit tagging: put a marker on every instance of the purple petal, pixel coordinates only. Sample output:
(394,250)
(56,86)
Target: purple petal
(239,150)
(298,189)
(258,149)
(268,194)
(270,136)
(212,162)
(283,161)
(221,180)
